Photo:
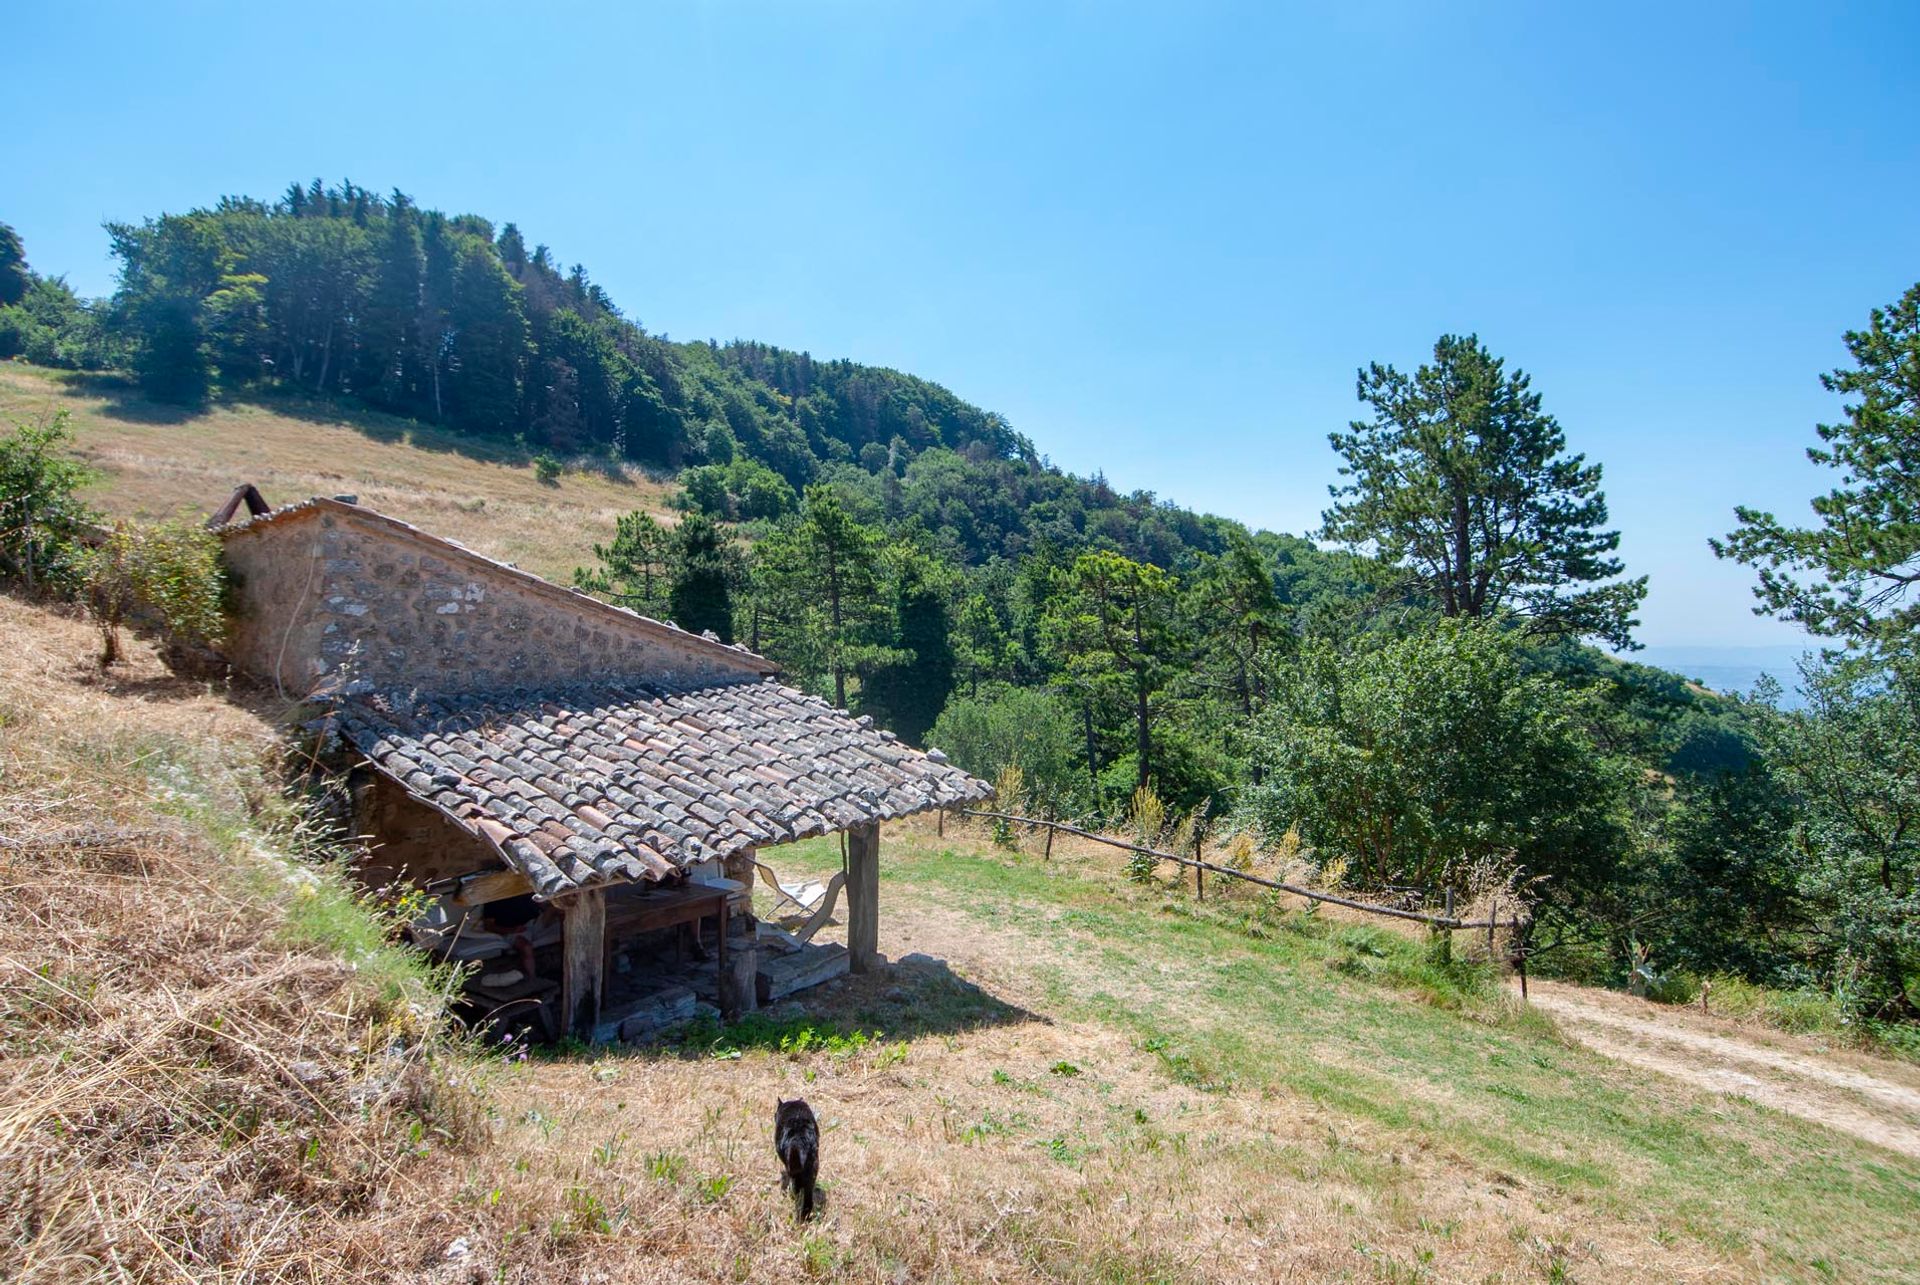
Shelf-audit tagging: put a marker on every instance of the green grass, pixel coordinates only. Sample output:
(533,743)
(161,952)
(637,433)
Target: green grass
(1806,1012)
(1362,1022)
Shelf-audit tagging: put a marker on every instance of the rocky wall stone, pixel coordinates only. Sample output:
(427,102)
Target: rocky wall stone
(338,602)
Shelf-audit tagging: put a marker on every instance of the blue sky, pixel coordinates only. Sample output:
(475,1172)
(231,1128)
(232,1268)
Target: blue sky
(1158,238)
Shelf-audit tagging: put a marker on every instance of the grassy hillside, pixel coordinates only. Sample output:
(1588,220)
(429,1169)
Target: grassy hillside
(209,1067)
(154,460)
(212,1068)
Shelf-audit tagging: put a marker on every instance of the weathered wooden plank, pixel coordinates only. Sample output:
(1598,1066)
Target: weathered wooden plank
(863,895)
(490,885)
(583,949)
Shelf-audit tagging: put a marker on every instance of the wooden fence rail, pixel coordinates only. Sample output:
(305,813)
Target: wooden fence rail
(1436,921)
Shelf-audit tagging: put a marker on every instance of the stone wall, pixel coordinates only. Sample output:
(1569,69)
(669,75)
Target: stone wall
(336,599)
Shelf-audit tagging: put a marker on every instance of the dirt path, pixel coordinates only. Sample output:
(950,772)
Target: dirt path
(1875,1100)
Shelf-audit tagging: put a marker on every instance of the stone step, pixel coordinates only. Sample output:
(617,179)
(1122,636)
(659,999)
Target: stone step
(643,1016)
(782,975)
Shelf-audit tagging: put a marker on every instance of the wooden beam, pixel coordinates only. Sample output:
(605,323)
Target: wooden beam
(863,895)
(490,885)
(584,932)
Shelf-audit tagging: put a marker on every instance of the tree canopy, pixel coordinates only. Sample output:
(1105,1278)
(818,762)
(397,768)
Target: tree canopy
(1462,487)
(911,556)
(1414,761)
(1852,575)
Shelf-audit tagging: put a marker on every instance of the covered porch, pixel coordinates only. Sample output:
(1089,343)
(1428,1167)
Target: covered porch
(628,812)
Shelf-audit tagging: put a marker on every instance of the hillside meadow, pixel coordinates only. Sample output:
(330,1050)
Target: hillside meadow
(215,1067)
(154,461)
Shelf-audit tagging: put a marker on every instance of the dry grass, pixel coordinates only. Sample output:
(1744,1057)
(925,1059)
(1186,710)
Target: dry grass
(188,1089)
(154,460)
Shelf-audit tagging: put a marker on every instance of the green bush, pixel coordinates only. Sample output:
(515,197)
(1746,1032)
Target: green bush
(547,468)
(1186,774)
(1420,758)
(1021,727)
(740,490)
(51,326)
(41,516)
(170,574)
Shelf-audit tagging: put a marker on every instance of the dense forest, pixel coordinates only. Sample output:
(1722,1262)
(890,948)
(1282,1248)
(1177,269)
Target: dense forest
(1409,695)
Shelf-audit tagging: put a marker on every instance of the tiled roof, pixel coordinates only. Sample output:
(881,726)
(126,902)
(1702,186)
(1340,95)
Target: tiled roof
(612,783)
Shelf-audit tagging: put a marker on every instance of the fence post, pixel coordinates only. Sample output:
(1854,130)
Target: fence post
(1445,941)
(942,822)
(1048,854)
(1199,872)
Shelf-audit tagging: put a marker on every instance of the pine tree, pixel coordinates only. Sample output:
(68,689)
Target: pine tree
(704,568)
(1238,623)
(908,693)
(489,342)
(1464,493)
(983,650)
(819,587)
(633,570)
(14,276)
(390,357)
(1117,627)
(1853,574)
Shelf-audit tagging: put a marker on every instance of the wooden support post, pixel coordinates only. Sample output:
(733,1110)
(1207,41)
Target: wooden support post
(941,822)
(584,932)
(737,983)
(1048,854)
(1199,872)
(863,895)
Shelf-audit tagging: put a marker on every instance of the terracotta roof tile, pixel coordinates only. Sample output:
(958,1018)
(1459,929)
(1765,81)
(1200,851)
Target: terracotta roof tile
(603,784)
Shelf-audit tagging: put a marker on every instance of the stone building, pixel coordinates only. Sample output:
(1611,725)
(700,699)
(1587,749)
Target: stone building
(532,754)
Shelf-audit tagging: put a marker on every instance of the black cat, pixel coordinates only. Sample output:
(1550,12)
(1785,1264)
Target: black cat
(796,1140)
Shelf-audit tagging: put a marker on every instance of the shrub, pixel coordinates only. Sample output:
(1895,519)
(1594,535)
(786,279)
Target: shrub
(1418,759)
(170,573)
(987,733)
(704,490)
(1186,775)
(41,516)
(547,468)
(742,489)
